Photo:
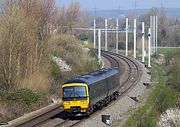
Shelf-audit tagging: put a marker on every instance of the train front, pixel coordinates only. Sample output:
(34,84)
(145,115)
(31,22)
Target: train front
(75,98)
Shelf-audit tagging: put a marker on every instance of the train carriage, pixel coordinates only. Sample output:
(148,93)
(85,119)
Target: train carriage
(84,94)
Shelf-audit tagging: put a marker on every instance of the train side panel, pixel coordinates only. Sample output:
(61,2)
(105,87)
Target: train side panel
(104,88)
(113,83)
(98,91)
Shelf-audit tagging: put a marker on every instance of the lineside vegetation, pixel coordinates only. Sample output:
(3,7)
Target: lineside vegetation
(164,94)
(28,76)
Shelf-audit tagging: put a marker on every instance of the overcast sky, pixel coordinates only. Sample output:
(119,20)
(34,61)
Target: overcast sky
(122,4)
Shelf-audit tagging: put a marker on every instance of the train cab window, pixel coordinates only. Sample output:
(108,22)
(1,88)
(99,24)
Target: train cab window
(80,91)
(74,91)
(68,91)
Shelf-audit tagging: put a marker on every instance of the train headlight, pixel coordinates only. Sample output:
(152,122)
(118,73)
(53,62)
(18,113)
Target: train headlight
(83,102)
(66,102)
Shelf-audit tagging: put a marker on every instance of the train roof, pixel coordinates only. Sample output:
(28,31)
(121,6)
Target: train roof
(93,77)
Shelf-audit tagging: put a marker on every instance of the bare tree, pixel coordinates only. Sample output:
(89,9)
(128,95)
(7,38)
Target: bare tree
(23,41)
(67,18)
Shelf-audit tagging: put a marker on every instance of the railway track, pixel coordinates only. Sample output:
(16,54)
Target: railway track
(134,74)
(55,117)
(114,62)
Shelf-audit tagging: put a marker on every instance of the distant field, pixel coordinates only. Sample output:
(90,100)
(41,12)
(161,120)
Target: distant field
(164,50)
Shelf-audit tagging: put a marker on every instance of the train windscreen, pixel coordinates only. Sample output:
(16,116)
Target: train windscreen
(74,92)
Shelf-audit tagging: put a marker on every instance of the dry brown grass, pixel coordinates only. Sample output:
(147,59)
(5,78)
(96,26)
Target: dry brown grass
(14,110)
(38,82)
(10,111)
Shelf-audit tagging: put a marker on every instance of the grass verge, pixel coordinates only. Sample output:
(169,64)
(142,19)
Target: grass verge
(160,98)
(166,50)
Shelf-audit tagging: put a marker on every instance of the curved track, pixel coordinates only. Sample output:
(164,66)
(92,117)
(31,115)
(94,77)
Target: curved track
(132,73)
(132,76)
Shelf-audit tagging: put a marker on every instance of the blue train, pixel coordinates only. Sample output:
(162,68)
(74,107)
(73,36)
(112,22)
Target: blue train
(85,94)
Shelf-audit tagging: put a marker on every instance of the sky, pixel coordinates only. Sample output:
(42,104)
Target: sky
(121,4)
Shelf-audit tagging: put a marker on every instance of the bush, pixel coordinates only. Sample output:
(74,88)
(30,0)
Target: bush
(71,50)
(146,119)
(16,102)
(55,71)
(83,37)
(168,57)
(173,76)
(164,100)
(21,96)
(81,60)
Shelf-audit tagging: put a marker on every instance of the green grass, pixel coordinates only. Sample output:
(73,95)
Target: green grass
(159,99)
(161,96)
(166,50)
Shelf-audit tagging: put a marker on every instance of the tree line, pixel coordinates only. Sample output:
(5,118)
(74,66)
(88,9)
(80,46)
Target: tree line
(25,28)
